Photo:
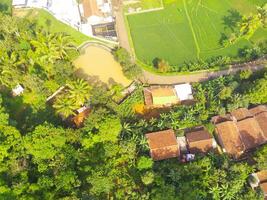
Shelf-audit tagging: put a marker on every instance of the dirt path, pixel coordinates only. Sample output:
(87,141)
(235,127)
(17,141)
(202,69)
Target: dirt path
(122,30)
(151,78)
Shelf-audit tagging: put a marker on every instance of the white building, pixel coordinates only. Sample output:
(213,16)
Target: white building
(184,91)
(82,17)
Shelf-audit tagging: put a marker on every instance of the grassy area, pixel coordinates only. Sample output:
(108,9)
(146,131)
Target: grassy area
(5,6)
(46,21)
(189,30)
(143,5)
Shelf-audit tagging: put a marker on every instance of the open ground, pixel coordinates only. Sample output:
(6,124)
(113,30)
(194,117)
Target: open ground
(189,30)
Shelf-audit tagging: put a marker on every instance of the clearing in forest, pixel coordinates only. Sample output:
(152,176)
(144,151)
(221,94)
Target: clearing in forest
(187,30)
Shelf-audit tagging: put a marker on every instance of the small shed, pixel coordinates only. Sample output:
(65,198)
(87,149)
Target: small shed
(82,114)
(17,91)
(163,145)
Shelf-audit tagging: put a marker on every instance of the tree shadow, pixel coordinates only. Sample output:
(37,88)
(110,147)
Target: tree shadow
(4,8)
(231,20)
(222,39)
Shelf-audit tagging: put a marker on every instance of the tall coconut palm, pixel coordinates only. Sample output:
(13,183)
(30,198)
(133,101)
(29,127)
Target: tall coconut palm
(65,106)
(79,91)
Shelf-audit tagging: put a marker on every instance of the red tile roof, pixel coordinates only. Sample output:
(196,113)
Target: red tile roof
(221,118)
(163,145)
(229,138)
(262,121)
(241,113)
(258,109)
(78,119)
(263,187)
(262,176)
(251,133)
(199,141)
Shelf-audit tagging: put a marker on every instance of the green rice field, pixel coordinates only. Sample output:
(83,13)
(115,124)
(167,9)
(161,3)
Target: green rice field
(187,30)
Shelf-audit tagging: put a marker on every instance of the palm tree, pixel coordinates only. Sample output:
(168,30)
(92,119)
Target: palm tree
(79,91)
(65,107)
(8,68)
(45,49)
(63,43)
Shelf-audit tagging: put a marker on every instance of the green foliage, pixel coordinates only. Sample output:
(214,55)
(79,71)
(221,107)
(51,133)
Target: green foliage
(257,93)
(129,69)
(144,163)
(79,90)
(260,157)
(148,178)
(42,159)
(161,65)
(245,74)
(126,108)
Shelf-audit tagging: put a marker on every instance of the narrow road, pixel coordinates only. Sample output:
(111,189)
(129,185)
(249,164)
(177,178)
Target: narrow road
(121,29)
(151,78)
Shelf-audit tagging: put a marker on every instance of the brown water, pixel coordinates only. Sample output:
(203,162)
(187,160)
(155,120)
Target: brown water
(99,63)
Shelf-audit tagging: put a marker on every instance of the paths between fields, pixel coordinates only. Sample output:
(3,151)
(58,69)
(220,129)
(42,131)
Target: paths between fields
(192,28)
(151,78)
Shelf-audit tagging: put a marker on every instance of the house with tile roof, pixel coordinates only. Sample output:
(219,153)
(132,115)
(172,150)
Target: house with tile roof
(251,133)
(200,141)
(242,130)
(163,145)
(160,96)
(229,138)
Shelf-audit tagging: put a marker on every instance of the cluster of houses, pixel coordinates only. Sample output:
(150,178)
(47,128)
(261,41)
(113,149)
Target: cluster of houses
(236,133)
(91,17)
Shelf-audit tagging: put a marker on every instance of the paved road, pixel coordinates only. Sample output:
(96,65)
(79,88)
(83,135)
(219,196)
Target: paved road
(151,78)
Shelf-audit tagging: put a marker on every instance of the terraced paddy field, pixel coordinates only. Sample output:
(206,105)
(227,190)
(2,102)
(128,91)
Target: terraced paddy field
(187,30)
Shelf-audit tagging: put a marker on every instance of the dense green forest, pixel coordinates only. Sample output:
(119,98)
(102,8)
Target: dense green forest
(42,158)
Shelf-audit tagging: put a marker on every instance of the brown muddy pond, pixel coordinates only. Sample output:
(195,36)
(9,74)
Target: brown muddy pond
(96,62)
